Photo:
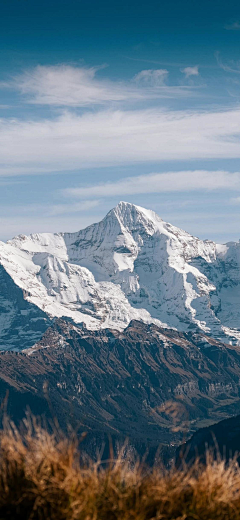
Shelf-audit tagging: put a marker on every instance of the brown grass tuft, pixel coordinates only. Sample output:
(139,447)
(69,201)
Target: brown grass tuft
(41,477)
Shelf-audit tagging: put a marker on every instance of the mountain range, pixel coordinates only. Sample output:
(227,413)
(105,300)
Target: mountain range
(130,266)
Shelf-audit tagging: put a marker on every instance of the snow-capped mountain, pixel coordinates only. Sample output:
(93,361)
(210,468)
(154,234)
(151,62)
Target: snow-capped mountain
(131,265)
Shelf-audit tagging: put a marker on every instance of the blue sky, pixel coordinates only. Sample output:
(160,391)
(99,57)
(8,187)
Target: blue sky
(104,101)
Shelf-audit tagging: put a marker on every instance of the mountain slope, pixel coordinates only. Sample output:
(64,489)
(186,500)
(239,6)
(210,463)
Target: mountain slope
(121,382)
(222,438)
(131,265)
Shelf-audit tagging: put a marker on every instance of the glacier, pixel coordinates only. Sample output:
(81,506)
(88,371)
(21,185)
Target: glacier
(130,266)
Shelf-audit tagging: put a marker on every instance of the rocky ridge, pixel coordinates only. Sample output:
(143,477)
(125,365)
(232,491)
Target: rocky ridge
(124,383)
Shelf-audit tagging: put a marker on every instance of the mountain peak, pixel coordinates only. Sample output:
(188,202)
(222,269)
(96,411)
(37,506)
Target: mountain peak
(131,216)
(130,265)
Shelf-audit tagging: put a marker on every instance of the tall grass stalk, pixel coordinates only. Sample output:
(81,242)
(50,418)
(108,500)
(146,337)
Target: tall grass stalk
(43,476)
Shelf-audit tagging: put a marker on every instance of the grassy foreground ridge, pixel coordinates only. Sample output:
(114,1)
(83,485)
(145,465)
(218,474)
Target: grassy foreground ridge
(41,477)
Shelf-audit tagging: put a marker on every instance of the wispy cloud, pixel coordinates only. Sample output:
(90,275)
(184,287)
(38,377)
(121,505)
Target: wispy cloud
(191,71)
(182,181)
(82,206)
(48,210)
(235,201)
(34,218)
(164,63)
(109,138)
(152,77)
(231,66)
(65,85)
(235,26)
(11,226)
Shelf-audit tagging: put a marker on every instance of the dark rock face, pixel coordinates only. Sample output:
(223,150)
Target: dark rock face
(124,384)
(221,439)
(21,323)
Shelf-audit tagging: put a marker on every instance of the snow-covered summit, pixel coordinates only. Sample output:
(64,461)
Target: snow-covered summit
(131,265)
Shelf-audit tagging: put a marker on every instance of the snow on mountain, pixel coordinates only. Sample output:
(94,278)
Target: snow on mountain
(131,265)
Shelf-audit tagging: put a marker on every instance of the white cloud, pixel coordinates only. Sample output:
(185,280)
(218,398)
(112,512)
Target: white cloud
(152,77)
(162,182)
(235,201)
(190,71)
(65,85)
(111,138)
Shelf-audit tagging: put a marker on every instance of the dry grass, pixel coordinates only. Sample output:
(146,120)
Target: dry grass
(41,477)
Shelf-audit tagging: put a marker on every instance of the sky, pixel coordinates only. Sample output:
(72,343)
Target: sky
(102,101)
